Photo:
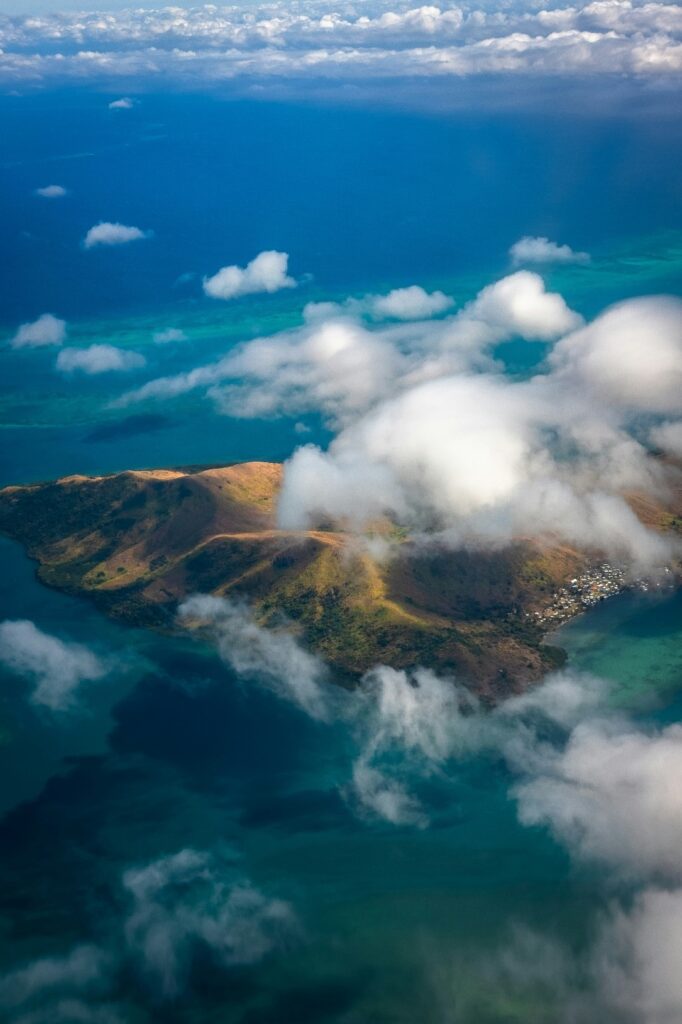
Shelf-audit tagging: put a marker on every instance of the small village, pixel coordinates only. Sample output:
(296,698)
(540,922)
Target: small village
(590,588)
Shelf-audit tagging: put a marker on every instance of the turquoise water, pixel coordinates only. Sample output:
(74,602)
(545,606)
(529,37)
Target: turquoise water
(173,751)
(170,750)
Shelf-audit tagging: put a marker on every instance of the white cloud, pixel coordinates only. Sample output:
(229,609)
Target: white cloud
(51,191)
(411,725)
(267,272)
(46,330)
(668,437)
(637,956)
(310,41)
(125,103)
(612,796)
(57,668)
(520,305)
(170,334)
(338,365)
(431,431)
(190,900)
(474,455)
(106,233)
(629,356)
(541,250)
(98,359)
(413,303)
(273,657)
(378,795)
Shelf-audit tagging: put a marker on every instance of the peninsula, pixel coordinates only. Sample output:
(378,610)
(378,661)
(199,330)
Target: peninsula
(138,542)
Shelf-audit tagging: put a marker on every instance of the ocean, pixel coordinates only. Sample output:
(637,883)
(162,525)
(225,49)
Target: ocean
(171,750)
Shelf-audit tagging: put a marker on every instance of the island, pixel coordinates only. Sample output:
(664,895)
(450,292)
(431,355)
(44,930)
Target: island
(138,542)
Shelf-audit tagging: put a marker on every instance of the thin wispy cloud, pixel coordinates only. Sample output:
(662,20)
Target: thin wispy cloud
(99,359)
(51,191)
(273,657)
(170,334)
(57,668)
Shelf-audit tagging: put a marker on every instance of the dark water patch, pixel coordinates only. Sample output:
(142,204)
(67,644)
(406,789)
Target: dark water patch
(304,811)
(319,1003)
(206,724)
(131,426)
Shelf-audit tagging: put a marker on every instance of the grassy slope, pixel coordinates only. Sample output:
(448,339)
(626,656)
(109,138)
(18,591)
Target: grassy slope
(137,542)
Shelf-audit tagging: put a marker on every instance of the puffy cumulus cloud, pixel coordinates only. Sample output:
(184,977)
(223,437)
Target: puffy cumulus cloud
(541,250)
(337,365)
(51,191)
(630,356)
(411,303)
(191,901)
(46,330)
(267,272)
(98,359)
(124,103)
(431,432)
(309,41)
(273,657)
(107,233)
(56,667)
(170,334)
(520,305)
(472,458)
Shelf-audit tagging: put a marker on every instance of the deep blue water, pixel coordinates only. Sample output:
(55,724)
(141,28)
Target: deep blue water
(356,197)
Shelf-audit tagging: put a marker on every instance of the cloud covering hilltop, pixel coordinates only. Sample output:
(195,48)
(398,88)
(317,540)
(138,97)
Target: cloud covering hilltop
(432,431)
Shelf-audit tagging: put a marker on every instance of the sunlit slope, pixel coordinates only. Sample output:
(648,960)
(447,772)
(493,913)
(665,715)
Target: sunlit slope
(138,542)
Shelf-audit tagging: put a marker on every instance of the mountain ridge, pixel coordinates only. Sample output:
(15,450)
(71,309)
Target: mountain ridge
(139,541)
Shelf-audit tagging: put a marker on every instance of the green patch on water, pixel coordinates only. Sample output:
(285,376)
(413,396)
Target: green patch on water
(635,641)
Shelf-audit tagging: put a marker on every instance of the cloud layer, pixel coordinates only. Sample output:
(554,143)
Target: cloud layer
(316,40)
